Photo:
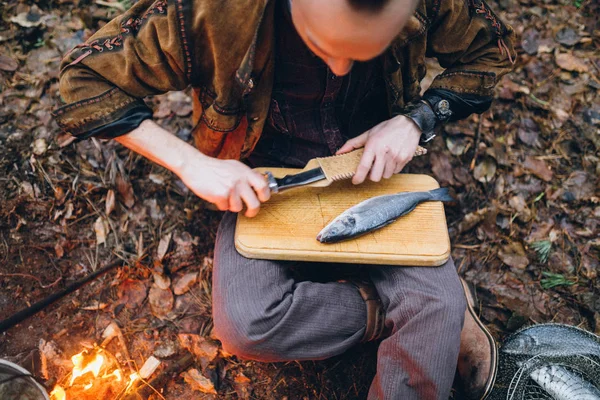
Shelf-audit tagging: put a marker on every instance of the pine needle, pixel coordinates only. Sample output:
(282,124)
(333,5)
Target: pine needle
(542,248)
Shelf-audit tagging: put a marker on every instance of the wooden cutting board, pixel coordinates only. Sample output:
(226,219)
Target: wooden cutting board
(287,225)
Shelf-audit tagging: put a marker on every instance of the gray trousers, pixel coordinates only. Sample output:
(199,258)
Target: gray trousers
(262,312)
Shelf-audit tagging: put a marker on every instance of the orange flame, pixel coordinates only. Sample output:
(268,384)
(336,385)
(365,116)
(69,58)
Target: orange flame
(79,369)
(58,393)
(83,364)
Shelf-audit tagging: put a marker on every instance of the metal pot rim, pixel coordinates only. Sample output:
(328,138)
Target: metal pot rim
(22,370)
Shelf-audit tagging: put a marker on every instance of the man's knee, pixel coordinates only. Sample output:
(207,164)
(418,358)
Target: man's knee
(242,334)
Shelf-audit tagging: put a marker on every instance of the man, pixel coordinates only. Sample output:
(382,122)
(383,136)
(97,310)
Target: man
(278,82)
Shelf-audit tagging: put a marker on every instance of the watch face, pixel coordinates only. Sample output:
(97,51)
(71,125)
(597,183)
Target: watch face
(443,110)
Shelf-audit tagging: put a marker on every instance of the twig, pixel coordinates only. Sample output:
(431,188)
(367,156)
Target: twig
(144,392)
(477,139)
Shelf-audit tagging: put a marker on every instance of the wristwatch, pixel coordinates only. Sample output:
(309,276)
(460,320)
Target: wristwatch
(428,116)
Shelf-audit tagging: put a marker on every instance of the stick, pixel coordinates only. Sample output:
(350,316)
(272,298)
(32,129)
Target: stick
(145,389)
(40,305)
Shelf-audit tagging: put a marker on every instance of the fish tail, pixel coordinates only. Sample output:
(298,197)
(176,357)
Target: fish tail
(440,194)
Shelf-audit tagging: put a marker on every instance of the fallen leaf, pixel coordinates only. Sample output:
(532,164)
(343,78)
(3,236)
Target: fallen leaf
(198,381)
(567,36)
(39,146)
(180,103)
(125,190)
(8,64)
(132,293)
(529,132)
(110,202)
(163,246)
(484,171)
(241,384)
(102,229)
(538,168)
(471,220)
(161,301)
(513,255)
(161,281)
(204,350)
(185,283)
(441,168)
(94,305)
(530,41)
(457,145)
(27,19)
(581,185)
(59,250)
(569,62)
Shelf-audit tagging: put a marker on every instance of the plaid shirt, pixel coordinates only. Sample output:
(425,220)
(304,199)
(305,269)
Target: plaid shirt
(313,112)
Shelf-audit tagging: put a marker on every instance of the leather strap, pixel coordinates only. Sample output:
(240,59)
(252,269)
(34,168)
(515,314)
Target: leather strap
(375,314)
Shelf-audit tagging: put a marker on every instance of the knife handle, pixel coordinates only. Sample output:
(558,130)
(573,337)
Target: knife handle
(273,185)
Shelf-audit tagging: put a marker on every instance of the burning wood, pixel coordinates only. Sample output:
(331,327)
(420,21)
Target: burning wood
(95,375)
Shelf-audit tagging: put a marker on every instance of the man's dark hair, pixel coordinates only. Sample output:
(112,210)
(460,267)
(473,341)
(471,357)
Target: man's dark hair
(371,6)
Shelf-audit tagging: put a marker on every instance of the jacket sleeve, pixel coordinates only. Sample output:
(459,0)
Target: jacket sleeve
(475,47)
(103,81)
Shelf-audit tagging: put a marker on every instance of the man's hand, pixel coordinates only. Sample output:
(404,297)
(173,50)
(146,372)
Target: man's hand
(226,183)
(389,146)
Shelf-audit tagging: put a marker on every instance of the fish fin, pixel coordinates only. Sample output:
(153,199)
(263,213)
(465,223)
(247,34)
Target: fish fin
(440,194)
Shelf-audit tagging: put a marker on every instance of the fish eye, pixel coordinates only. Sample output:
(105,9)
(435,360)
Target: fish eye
(334,231)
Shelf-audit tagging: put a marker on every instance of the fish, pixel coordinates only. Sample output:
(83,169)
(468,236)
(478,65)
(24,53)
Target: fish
(375,213)
(549,361)
(562,384)
(552,340)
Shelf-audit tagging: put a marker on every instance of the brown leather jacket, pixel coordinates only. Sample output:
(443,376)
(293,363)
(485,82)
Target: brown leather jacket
(224,50)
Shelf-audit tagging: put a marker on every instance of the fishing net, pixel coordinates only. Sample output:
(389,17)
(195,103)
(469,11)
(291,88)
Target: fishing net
(531,368)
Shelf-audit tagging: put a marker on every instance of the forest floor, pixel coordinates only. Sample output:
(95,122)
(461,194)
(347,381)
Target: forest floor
(524,227)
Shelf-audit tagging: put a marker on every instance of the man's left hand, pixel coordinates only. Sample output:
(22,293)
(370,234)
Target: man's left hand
(389,146)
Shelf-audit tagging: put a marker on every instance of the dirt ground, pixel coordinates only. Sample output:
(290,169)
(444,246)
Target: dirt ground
(524,227)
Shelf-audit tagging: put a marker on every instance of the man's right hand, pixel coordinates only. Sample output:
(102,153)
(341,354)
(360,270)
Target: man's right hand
(226,183)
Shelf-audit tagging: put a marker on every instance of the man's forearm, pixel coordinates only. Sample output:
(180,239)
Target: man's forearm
(160,146)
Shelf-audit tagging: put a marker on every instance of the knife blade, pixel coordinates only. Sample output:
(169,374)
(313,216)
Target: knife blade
(278,185)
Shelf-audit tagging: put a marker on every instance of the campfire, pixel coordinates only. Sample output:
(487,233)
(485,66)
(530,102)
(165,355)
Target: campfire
(95,375)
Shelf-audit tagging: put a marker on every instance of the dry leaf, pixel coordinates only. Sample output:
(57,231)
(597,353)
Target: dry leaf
(94,305)
(110,202)
(132,293)
(39,146)
(101,228)
(204,350)
(163,246)
(184,284)
(125,190)
(161,281)
(161,301)
(441,168)
(513,255)
(538,168)
(569,62)
(198,381)
(8,64)
(241,384)
(59,250)
(485,170)
(471,220)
